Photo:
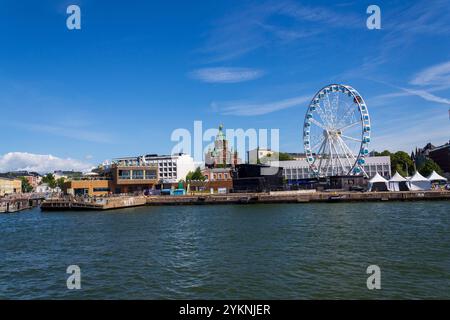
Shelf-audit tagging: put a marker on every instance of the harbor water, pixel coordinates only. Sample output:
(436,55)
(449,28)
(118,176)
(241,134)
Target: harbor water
(282,251)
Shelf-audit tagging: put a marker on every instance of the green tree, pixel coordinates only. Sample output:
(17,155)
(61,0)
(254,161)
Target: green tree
(402,162)
(427,167)
(276,156)
(26,186)
(60,182)
(195,175)
(50,180)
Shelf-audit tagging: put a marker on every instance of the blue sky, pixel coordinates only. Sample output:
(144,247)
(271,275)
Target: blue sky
(137,70)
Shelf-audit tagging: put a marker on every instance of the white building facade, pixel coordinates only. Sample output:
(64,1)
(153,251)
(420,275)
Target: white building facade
(172,168)
(299,169)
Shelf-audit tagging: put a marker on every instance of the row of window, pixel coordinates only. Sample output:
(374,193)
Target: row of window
(305,172)
(137,174)
(219,176)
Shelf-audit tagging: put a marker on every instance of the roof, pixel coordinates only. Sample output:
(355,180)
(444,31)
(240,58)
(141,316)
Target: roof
(303,163)
(397,178)
(220,134)
(436,177)
(377,178)
(418,177)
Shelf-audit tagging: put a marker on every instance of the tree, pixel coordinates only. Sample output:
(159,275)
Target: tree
(26,186)
(400,161)
(427,167)
(60,182)
(50,180)
(195,175)
(276,156)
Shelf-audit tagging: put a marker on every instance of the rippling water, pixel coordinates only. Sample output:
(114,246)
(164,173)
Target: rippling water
(292,251)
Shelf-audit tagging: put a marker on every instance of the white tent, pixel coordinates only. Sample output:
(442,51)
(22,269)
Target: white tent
(378,183)
(434,177)
(397,183)
(418,182)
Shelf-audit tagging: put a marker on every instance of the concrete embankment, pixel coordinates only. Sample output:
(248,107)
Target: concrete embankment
(118,202)
(297,197)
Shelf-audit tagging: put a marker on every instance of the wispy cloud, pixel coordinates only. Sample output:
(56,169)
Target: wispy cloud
(427,96)
(258,25)
(409,133)
(226,75)
(437,75)
(419,92)
(69,131)
(42,163)
(256,109)
(404,25)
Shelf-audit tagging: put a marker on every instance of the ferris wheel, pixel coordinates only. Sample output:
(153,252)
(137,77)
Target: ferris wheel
(336,132)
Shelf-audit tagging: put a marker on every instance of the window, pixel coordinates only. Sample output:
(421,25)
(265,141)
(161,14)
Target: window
(138,174)
(101,189)
(124,174)
(150,174)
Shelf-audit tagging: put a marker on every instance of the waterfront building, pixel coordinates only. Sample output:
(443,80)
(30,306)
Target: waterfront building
(91,187)
(120,177)
(297,156)
(10,186)
(217,174)
(43,188)
(439,154)
(221,154)
(257,178)
(297,170)
(218,179)
(170,168)
(33,180)
(133,177)
(255,155)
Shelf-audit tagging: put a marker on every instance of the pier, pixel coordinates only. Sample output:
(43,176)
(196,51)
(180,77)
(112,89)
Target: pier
(118,202)
(20,202)
(92,203)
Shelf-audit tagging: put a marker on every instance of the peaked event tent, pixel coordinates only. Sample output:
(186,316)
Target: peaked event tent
(418,182)
(378,183)
(435,177)
(397,183)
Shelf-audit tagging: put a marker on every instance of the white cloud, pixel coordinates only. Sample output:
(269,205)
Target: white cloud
(226,75)
(42,163)
(435,75)
(427,96)
(256,109)
(412,130)
(256,25)
(405,92)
